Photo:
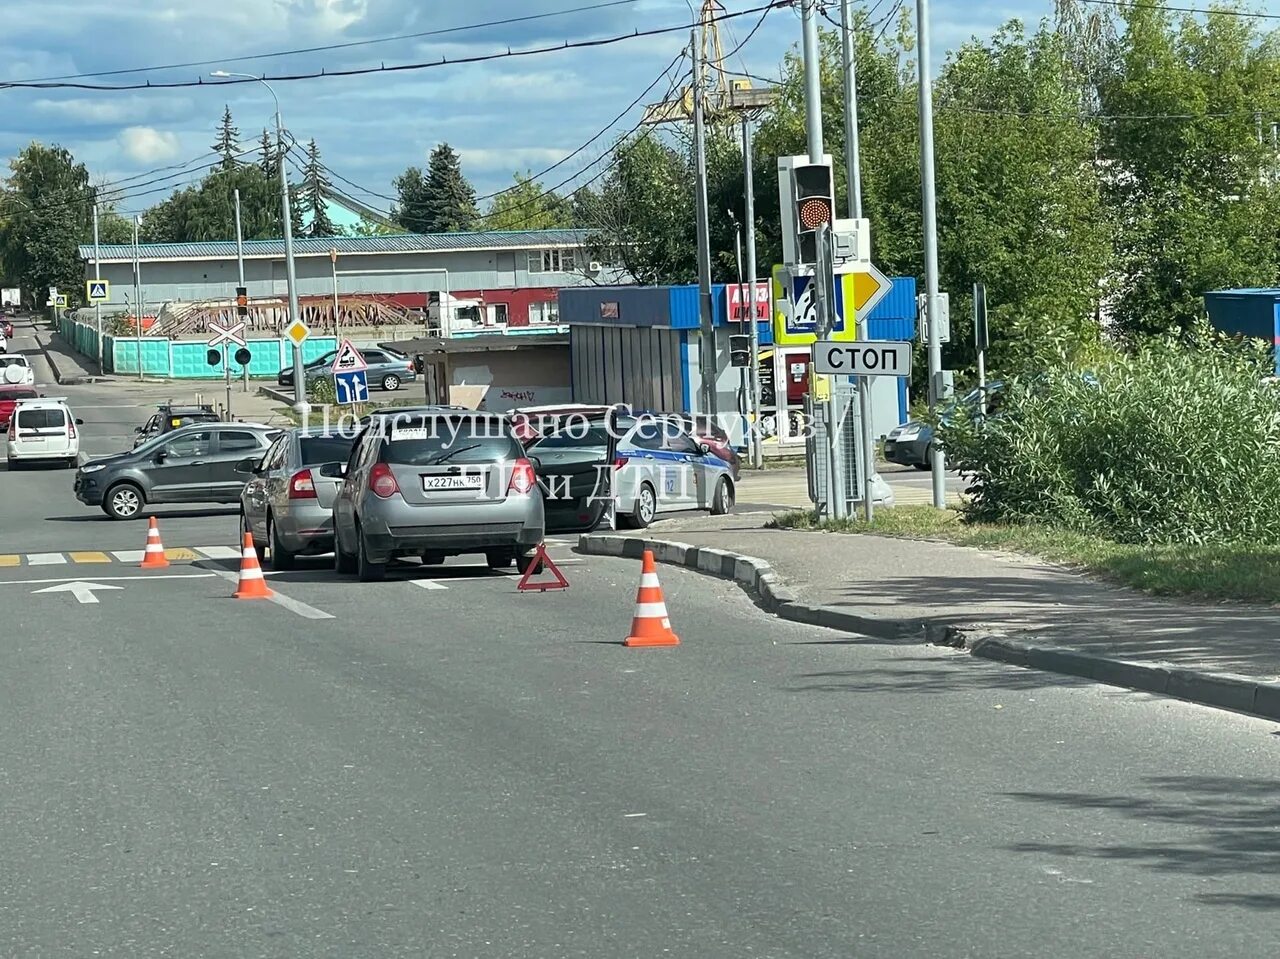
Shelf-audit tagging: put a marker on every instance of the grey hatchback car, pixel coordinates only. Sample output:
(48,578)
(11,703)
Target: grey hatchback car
(436,484)
(287,503)
(194,464)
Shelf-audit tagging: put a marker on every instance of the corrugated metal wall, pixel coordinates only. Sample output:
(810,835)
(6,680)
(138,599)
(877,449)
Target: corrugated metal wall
(627,365)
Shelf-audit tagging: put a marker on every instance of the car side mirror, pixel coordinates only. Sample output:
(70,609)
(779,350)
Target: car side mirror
(162,456)
(250,464)
(705,449)
(137,429)
(333,470)
(79,422)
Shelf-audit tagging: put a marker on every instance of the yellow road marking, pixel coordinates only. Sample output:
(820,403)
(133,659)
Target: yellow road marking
(10,559)
(180,555)
(91,557)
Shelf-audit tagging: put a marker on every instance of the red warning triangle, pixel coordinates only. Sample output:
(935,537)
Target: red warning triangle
(542,562)
(348,359)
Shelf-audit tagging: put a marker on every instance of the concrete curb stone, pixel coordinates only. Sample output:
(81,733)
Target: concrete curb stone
(758,578)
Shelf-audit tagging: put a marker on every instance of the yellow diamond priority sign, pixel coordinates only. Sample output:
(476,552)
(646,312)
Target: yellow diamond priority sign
(297,331)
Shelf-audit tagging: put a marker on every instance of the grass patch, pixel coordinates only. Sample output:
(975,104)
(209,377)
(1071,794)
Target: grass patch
(1240,572)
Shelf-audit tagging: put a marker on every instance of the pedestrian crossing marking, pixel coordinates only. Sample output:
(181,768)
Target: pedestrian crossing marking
(10,559)
(219,552)
(46,559)
(90,557)
(129,555)
(180,555)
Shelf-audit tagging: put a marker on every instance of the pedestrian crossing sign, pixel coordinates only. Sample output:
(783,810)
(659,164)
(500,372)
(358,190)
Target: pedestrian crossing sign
(97,291)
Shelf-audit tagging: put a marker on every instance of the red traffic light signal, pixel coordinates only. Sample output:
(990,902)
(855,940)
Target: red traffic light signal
(242,300)
(814,191)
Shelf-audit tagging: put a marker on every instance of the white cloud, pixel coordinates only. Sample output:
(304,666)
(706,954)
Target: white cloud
(148,145)
(509,160)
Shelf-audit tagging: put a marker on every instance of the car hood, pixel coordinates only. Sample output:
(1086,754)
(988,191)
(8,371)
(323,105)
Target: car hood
(113,459)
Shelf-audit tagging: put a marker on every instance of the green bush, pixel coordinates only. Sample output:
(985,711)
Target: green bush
(1174,443)
(322,390)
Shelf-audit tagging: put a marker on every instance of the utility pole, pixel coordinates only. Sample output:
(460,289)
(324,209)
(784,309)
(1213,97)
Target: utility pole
(137,290)
(930,210)
(822,274)
(240,276)
(333,261)
(853,174)
(757,452)
(97,275)
(707,352)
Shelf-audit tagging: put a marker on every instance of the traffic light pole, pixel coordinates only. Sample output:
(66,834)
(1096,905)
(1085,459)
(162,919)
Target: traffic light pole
(707,350)
(822,280)
(757,452)
(240,274)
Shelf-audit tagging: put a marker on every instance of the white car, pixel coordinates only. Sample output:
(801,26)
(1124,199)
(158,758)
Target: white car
(43,429)
(15,370)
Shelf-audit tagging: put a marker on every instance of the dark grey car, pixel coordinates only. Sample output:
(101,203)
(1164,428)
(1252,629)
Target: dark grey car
(386,370)
(194,464)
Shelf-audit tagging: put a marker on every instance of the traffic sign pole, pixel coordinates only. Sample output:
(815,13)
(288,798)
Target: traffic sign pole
(97,275)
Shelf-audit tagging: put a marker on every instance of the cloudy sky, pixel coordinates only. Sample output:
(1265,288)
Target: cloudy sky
(510,114)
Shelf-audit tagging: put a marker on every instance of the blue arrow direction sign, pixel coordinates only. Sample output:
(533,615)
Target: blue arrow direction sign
(352,386)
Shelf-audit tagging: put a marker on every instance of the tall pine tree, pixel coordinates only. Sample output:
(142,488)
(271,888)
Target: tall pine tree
(451,200)
(227,145)
(315,185)
(267,155)
(412,209)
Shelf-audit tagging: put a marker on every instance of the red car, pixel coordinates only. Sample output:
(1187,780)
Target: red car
(7,328)
(9,396)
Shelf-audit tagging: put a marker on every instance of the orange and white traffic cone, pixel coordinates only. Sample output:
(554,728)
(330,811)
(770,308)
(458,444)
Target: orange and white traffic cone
(154,557)
(253,585)
(651,625)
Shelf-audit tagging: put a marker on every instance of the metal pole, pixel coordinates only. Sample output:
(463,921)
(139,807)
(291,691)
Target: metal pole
(757,452)
(743,406)
(300,405)
(97,275)
(853,174)
(137,292)
(240,270)
(822,275)
(333,260)
(226,366)
(707,352)
(929,203)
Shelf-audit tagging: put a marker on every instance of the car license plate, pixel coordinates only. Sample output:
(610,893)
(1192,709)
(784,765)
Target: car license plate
(467,481)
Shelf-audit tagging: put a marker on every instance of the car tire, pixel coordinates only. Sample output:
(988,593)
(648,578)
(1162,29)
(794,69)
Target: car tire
(928,460)
(646,508)
(73,462)
(722,499)
(497,559)
(12,464)
(525,562)
(343,562)
(282,558)
(432,559)
(391,382)
(368,572)
(124,501)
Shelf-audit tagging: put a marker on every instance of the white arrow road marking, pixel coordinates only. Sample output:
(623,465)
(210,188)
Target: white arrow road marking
(82,591)
(428,584)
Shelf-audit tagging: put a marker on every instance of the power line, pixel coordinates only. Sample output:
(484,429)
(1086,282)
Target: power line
(1126,5)
(398,68)
(334,46)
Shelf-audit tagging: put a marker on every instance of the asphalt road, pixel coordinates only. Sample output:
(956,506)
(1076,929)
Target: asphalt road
(450,769)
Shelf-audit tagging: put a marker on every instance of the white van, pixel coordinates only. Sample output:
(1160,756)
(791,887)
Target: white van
(43,429)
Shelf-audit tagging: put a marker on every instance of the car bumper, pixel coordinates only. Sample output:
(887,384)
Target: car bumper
(910,453)
(391,529)
(305,528)
(88,490)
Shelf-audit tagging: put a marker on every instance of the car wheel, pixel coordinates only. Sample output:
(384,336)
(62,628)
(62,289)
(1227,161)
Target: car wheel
(722,500)
(432,559)
(123,501)
(646,507)
(498,559)
(369,572)
(343,562)
(525,562)
(928,460)
(391,382)
(73,462)
(281,557)
(12,464)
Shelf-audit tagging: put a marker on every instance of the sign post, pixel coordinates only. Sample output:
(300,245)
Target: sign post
(982,339)
(224,337)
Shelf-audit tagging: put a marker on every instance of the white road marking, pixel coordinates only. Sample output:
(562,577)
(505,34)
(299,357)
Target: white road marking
(219,552)
(46,559)
(292,605)
(129,555)
(428,584)
(142,578)
(82,591)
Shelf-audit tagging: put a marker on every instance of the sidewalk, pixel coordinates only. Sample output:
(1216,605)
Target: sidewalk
(1001,606)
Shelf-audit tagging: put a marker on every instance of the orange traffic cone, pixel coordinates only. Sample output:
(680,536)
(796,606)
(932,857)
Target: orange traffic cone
(252,583)
(651,626)
(154,557)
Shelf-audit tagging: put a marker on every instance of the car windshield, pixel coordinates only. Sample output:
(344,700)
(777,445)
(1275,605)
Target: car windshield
(428,441)
(326,449)
(576,433)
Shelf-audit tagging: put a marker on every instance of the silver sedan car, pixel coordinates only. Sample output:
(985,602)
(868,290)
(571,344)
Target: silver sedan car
(287,503)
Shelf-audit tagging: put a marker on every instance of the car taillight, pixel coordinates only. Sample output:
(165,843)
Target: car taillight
(71,428)
(523,478)
(13,427)
(302,486)
(619,462)
(382,481)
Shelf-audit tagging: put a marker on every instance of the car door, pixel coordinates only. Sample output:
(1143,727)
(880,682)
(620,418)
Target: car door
(646,463)
(233,445)
(344,520)
(256,493)
(686,465)
(180,471)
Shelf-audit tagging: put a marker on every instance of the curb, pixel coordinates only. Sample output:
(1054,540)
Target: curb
(1239,694)
(76,379)
(287,399)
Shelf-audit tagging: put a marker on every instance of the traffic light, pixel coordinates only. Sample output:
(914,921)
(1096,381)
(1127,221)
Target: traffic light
(739,350)
(813,195)
(242,300)
(214,357)
(243,356)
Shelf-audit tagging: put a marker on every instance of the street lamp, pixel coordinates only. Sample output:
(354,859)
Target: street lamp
(299,376)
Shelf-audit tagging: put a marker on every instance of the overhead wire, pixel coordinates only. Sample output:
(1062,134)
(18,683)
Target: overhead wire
(1170,8)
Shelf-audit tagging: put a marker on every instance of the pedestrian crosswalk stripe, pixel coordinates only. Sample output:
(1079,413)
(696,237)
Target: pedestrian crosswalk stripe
(129,555)
(46,559)
(90,557)
(219,552)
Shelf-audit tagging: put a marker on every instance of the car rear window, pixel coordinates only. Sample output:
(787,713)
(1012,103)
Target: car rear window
(12,396)
(326,449)
(12,361)
(575,433)
(426,441)
(45,418)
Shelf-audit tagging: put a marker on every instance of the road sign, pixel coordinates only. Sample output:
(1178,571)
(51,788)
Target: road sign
(62,301)
(796,322)
(298,332)
(352,386)
(869,285)
(230,334)
(97,291)
(53,292)
(739,294)
(348,359)
(865,358)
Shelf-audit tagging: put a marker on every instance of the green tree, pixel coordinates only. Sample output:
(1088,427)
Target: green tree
(314,190)
(207,211)
(412,211)
(268,155)
(451,200)
(47,209)
(227,144)
(112,228)
(528,206)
